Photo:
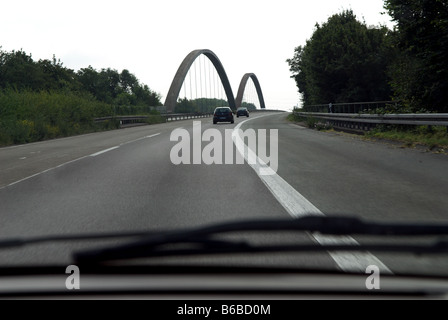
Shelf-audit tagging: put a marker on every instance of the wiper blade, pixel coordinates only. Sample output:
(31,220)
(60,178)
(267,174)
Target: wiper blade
(21,242)
(145,250)
(201,240)
(335,225)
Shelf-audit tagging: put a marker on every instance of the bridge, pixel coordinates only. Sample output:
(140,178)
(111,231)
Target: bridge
(213,83)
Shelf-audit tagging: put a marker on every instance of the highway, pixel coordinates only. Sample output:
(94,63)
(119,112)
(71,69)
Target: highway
(124,180)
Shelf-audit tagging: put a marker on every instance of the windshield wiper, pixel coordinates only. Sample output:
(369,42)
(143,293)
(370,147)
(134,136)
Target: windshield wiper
(21,242)
(202,241)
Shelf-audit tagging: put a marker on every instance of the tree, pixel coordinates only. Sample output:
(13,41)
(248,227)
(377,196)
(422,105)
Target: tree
(420,71)
(146,97)
(185,106)
(344,61)
(103,85)
(56,76)
(90,81)
(128,81)
(113,87)
(19,71)
(249,106)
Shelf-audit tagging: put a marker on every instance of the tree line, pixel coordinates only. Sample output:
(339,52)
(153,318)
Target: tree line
(204,105)
(19,71)
(347,61)
(43,99)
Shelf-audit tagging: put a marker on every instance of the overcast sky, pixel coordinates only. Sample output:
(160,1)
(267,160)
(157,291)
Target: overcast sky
(151,38)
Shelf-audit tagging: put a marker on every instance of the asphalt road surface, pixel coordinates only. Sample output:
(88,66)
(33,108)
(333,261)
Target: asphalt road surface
(124,180)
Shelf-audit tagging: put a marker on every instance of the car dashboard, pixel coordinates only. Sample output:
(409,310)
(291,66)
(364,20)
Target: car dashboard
(210,284)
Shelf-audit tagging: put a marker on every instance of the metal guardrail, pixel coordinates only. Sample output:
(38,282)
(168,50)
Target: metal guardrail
(366,122)
(266,110)
(122,118)
(132,119)
(185,116)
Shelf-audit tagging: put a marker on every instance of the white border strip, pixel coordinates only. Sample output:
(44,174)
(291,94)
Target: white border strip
(298,206)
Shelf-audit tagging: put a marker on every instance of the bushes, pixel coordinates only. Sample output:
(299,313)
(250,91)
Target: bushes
(154,119)
(29,116)
(310,122)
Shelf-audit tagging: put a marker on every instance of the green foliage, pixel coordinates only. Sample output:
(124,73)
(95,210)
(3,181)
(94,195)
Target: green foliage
(205,105)
(135,110)
(344,61)
(154,119)
(19,71)
(310,122)
(198,105)
(28,116)
(396,108)
(44,100)
(419,71)
(185,106)
(294,117)
(430,136)
(249,106)
(121,89)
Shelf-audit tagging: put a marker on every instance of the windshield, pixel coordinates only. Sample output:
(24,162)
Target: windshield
(223,110)
(103,131)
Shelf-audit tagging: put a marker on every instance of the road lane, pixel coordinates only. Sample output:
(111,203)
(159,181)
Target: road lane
(346,175)
(135,186)
(22,161)
(342,173)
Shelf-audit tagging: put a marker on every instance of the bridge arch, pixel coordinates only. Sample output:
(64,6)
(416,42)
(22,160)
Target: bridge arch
(239,97)
(176,85)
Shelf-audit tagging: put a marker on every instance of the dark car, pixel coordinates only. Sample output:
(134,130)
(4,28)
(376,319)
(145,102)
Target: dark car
(242,112)
(223,114)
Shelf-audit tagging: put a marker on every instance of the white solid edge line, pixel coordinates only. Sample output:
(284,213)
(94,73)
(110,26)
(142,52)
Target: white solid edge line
(298,206)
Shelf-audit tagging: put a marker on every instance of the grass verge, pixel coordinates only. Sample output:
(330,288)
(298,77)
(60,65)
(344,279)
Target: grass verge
(431,137)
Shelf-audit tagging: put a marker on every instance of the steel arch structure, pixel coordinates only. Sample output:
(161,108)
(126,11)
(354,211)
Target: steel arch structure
(176,85)
(239,97)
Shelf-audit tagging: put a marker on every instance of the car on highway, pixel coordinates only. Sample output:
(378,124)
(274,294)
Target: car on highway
(242,112)
(223,114)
